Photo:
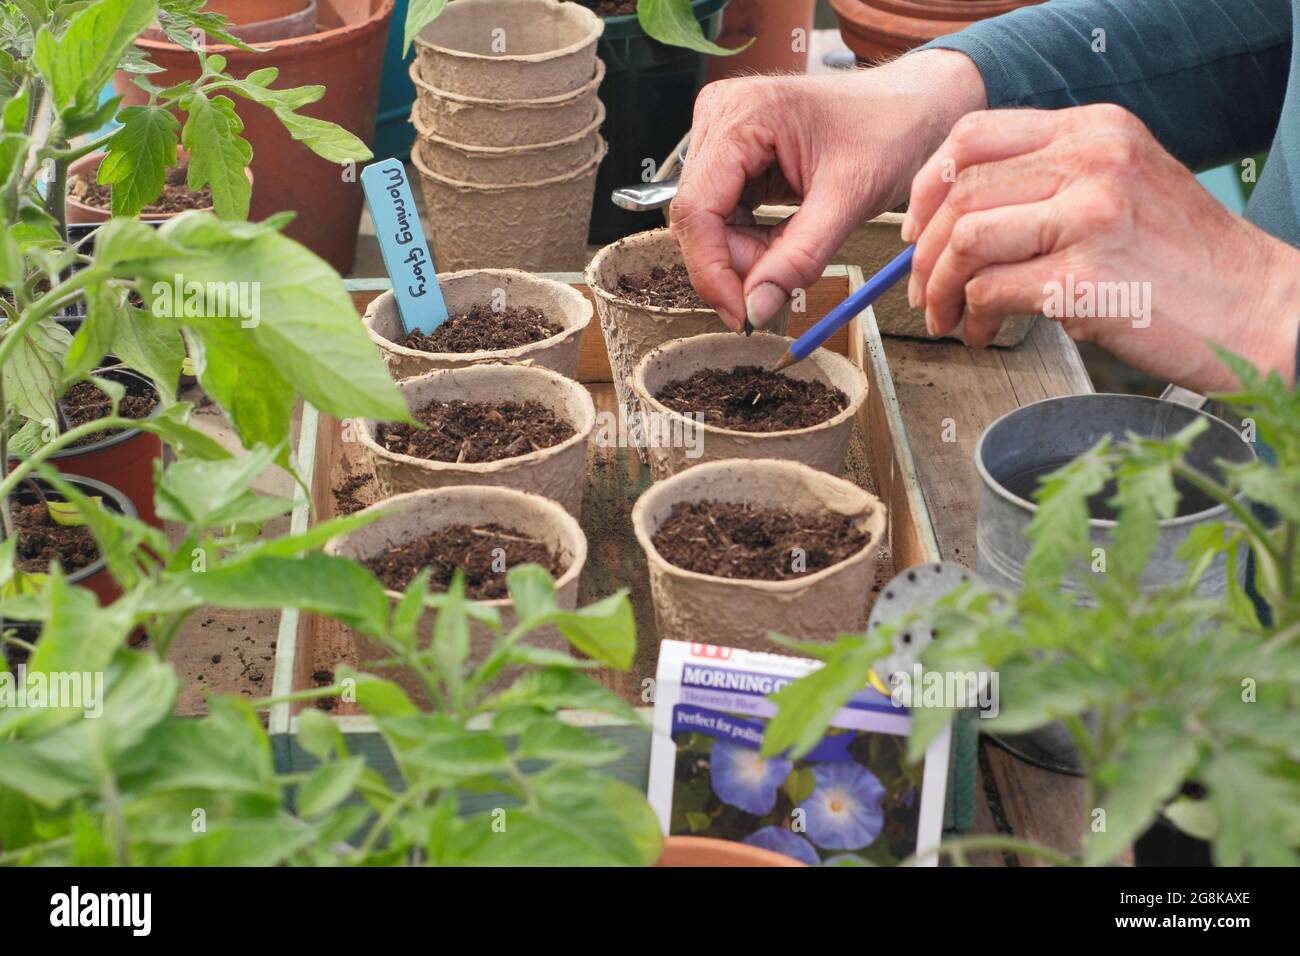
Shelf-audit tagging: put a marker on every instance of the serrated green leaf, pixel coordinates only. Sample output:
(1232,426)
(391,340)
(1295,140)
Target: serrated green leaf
(139,155)
(219,154)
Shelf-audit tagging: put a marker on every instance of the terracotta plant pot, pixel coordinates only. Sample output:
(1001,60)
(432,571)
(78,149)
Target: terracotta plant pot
(484,122)
(535,226)
(509,49)
(557,472)
(632,330)
(691,851)
(345,55)
(823,446)
(261,21)
(560,303)
(878,30)
(739,613)
(420,513)
(778,45)
(483,165)
(80,213)
(125,461)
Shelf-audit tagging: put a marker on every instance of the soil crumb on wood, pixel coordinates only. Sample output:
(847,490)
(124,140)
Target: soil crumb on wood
(484,553)
(482,330)
(87,402)
(472,432)
(668,288)
(753,399)
(346,499)
(42,540)
(176,196)
(610,8)
(731,540)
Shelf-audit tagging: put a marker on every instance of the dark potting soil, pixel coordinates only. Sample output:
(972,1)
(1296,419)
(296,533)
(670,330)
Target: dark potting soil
(472,432)
(731,540)
(753,399)
(42,540)
(482,330)
(609,8)
(668,288)
(176,196)
(478,551)
(86,402)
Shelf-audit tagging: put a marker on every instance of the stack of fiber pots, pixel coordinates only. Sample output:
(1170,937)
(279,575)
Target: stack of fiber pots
(508,143)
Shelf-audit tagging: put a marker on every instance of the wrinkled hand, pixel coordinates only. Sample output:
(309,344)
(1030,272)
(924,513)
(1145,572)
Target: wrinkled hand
(845,146)
(1082,215)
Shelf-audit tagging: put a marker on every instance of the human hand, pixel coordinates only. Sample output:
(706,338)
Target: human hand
(1082,215)
(845,145)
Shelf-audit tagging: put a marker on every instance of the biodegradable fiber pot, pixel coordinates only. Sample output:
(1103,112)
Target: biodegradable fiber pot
(632,330)
(509,49)
(486,122)
(482,165)
(421,513)
(823,446)
(738,613)
(557,472)
(692,851)
(345,54)
(536,226)
(562,304)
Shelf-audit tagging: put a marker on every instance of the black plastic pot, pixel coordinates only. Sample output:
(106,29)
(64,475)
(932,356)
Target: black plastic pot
(649,96)
(1165,845)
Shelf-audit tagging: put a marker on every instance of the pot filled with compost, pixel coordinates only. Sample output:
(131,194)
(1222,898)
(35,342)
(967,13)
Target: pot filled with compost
(482,532)
(495,315)
(719,391)
(738,548)
(500,425)
(48,529)
(90,201)
(644,298)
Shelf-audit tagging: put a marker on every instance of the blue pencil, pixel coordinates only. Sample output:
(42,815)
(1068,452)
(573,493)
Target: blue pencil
(838,317)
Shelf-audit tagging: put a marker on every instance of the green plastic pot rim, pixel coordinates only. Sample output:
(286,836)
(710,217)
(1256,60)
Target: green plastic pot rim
(542,57)
(324,38)
(101,490)
(559,99)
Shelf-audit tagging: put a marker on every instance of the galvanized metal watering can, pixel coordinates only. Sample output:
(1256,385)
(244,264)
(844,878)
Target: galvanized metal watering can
(1023,445)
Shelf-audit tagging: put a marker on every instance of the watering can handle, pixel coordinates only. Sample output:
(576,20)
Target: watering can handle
(1184,396)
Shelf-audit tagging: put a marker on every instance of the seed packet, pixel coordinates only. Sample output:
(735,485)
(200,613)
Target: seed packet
(852,799)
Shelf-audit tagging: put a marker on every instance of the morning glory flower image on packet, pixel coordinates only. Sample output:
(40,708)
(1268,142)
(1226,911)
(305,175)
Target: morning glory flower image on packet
(852,799)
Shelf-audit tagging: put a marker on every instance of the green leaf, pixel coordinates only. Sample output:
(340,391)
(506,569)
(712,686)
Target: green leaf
(34,367)
(1153,759)
(558,688)
(172,426)
(219,154)
(377,697)
(327,140)
(418,16)
(604,631)
(329,785)
(1256,802)
(1059,529)
(552,739)
(1193,817)
(197,492)
(139,155)
(451,632)
(410,609)
(806,707)
(11,260)
(318,734)
(78,64)
(314,582)
(673,22)
(69,514)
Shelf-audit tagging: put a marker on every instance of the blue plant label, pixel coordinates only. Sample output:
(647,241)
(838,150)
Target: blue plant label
(401,240)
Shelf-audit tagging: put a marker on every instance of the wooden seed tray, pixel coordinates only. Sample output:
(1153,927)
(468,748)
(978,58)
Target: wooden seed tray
(309,647)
